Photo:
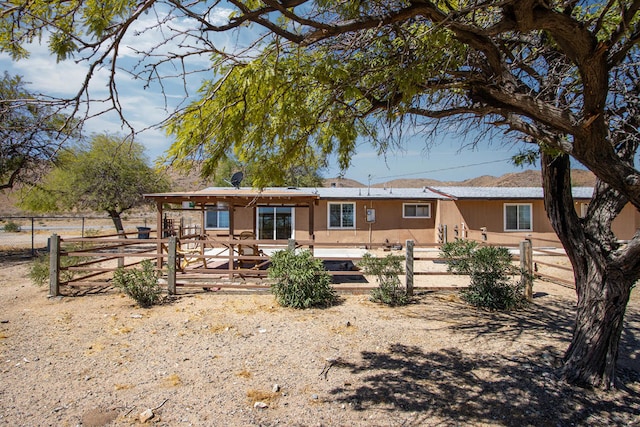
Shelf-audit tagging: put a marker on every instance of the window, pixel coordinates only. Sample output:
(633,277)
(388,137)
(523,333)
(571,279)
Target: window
(275,223)
(517,217)
(413,210)
(216,219)
(342,215)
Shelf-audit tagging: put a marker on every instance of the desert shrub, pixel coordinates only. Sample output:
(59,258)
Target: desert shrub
(12,227)
(39,268)
(491,272)
(386,271)
(301,281)
(140,284)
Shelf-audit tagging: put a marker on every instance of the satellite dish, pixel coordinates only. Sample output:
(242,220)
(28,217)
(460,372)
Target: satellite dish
(236,179)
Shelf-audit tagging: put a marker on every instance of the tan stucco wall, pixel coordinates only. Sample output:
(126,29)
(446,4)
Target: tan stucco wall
(388,226)
(627,223)
(392,227)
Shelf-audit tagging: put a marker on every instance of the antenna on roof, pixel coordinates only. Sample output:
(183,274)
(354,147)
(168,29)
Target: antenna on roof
(236,179)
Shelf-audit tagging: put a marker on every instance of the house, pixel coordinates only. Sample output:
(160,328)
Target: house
(509,212)
(363,216)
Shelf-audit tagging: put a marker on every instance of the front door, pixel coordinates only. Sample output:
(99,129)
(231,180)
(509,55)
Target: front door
(275,222)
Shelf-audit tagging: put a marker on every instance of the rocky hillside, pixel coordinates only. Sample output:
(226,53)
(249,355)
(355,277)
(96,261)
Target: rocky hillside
(527,178)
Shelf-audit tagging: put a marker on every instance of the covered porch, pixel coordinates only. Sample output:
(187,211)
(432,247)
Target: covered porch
(235,230)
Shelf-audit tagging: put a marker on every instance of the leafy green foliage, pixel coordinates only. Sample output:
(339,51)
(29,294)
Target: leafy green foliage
(295,176)
(489,269)
(140,284)
(386,270)
(301,281)
(31,132)
(109,174)
(39,268)
(12,227)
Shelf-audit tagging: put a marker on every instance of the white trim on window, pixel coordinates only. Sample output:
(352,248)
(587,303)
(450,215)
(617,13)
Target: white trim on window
(216,219)
(416,210)
(518,217)
(341,215)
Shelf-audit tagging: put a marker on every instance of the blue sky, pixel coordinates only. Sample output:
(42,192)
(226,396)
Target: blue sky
(444,160)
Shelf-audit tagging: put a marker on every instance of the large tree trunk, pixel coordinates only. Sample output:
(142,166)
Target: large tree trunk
(604,276)
(117,223)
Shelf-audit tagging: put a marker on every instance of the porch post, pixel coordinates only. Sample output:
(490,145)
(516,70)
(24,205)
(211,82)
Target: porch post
(409,267)
(312,233)
(54,265)
(159,234)
(231,245)
(171,265)
(526,268)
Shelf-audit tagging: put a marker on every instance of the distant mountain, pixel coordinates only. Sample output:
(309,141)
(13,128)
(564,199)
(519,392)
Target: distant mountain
(527,178)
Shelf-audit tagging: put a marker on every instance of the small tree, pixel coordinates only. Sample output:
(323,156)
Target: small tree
(386,270)
(301,281)
(31,132)
(489,268)
(109,174)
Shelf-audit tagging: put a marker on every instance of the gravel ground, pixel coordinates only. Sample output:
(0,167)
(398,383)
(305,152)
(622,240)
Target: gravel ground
(205,359)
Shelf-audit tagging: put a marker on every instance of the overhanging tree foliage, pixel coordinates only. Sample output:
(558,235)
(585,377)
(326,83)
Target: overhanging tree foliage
(315,75)
(110,174)
(31,132)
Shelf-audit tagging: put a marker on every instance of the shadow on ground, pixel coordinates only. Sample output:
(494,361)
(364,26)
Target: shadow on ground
(507,389)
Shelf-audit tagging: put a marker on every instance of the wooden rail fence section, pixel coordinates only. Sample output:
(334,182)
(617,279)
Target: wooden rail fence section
(206,262)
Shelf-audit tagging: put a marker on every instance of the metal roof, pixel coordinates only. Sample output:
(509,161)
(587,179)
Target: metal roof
(506,192)
(365,193)
(389,193)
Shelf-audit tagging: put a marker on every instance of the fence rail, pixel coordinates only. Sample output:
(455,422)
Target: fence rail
(204,262)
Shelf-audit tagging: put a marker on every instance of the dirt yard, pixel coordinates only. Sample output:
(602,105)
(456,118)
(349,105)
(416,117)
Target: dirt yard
(214,359)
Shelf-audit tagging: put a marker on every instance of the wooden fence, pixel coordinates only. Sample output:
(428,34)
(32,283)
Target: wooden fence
(203,262)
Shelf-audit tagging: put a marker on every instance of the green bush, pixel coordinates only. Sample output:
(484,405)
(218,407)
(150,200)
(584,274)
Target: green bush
(491,272)
(12,227)
(39,269)
(386,270)
(301,281)
(141,285)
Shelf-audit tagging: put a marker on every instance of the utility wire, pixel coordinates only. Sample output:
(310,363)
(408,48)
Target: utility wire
(444,169)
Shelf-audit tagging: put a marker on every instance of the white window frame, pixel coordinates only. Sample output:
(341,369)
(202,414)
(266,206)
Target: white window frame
(341,226)
(274,208)
(217,211)
(518,205)
(404,211)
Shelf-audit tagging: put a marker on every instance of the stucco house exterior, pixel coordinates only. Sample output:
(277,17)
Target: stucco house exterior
(362,216)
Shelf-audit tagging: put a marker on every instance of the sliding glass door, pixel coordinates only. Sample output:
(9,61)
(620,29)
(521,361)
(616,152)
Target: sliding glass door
(275,222)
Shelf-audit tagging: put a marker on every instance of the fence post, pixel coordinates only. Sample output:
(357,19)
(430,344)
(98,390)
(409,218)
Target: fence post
(54,265)
(526,268)
(171,265)
(408,267)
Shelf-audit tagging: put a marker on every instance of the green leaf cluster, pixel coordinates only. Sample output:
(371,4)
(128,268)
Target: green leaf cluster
(108,174)
(31,132)
(490,269)
(64,22)
(140,284)
(296,107)
(386,270)
(301,281)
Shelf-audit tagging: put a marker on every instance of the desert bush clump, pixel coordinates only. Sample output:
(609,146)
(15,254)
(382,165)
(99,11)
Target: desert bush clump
(141,285)
(12,227)
(39,268)
(301,281)
(491,271)
(386,271)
